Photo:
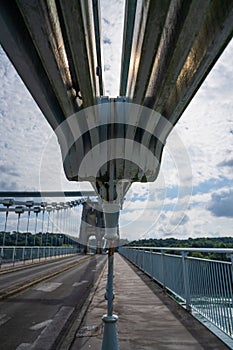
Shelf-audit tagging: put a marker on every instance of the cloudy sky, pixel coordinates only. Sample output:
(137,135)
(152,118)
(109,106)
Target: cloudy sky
(193,195)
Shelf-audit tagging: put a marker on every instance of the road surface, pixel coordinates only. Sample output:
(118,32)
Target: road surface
(35,317)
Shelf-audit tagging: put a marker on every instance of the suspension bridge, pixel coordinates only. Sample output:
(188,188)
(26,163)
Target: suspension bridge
(169,47)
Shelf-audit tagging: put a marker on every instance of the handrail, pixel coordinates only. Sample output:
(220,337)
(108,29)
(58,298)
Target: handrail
(204,286)
(184,249)
(11,255)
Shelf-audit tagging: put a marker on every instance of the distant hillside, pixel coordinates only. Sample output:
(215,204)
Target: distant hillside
(204,242)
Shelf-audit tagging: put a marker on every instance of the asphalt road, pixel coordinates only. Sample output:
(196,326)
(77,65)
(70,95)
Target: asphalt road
(22,275)
(32,319)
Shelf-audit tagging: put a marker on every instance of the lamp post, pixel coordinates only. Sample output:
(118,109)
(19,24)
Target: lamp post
(29,205)
(54,206)
(7,203)
(36,210)
(18,210)
(48,209)
(62,205)
(43,206)
(111,215)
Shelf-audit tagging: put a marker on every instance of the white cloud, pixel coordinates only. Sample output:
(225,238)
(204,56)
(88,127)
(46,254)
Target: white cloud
(26,138)
(221,204)
(112,26)
(24,130)
(206,126)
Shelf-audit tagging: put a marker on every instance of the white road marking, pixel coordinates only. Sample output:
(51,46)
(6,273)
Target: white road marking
(48,287)
(4,318)
(38,326)
(24,346)
(48,335)
(76,284)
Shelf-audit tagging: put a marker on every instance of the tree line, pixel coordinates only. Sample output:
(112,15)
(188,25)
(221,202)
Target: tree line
(203,242)
(38,239)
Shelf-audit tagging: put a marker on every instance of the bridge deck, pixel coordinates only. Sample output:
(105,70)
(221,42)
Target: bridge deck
(148,319)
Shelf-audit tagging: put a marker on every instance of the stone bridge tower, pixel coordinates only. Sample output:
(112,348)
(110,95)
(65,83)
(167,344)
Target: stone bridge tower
(92,224)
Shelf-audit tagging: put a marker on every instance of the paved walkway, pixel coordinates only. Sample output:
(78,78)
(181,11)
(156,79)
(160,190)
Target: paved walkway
(148,319)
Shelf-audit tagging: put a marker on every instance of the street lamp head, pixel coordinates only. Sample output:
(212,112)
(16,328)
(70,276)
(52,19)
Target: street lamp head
(8,202)
(36,210)
(29,204)
(19,210)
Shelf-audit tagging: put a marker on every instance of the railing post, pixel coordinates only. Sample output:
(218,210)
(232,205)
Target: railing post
(31,255)
(142,261)
(151,265)
(2,256)
(163,270)
(231,256)
(23,255)
(13,257)
(186,281)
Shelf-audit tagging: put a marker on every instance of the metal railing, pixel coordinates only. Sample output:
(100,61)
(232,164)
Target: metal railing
(205,286)
(15,255)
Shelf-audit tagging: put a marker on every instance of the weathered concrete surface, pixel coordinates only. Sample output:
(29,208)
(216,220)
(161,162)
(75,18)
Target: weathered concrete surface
(169,47)
(174,46)
(148,319)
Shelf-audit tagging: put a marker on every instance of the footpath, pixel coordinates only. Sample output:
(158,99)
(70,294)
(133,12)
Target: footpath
(148,318)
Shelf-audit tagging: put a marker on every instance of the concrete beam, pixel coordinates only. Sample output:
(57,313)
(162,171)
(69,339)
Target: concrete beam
(129,22)
(56,48)
(18,44)
(175,45)
(79,25)
(42,22)
(149,21)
